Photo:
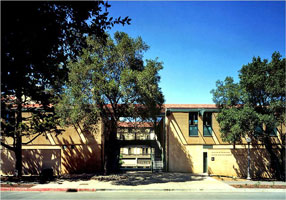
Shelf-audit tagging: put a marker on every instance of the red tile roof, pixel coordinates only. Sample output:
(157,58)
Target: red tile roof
(164,106)
(135,124)
(35,105)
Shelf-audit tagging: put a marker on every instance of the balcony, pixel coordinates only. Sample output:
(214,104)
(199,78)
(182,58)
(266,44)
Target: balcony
(136,161)
(135,136)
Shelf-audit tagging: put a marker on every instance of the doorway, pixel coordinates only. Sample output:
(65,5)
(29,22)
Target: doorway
(205,162)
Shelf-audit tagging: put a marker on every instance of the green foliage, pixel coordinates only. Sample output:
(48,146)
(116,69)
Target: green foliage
(108,81)
(227,93)
(111,74)
(259,98)
(38,39)
(39,122)
(235,123)
(121,162)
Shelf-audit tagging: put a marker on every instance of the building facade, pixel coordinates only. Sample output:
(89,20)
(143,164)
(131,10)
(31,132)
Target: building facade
(194,144)
(186,139)
(136,150)
(72,151)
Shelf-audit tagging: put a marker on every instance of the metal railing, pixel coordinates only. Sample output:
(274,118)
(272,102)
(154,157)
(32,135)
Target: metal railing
(135,136)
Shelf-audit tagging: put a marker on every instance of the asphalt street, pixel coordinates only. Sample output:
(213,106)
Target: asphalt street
(143,195)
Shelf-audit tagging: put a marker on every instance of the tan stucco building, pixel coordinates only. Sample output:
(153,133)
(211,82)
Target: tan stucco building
(72,151)
(187,139)
(194,144)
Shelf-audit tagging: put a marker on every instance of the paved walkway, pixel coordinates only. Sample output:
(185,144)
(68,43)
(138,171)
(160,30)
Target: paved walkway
(250,182)
(143,181)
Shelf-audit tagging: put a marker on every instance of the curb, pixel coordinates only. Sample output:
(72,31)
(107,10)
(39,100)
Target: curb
(11,189)
(237,190)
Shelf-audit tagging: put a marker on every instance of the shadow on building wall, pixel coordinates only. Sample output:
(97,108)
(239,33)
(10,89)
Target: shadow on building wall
(179,156)
(259,166)
(79,157)
(34,161)
(66,156)
(7,161)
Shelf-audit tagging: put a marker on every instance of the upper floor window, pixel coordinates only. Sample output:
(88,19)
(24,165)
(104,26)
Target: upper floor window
(207,119)
(193,124)
(258,130)
(269,130)
(272,131)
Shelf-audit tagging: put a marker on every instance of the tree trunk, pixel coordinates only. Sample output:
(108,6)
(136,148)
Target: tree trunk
(18,155)
(18,135)
(112,149)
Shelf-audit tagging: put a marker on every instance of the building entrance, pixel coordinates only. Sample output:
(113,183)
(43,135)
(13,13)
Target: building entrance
(205,162)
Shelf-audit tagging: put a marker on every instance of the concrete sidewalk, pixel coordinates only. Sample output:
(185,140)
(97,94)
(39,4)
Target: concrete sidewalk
(140,181)
(146,181)
(252,182)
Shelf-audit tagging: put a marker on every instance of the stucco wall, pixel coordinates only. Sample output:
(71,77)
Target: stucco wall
(72,151)
(233,162)
(185,153)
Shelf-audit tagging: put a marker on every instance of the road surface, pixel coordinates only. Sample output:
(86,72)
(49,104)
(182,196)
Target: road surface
(173,195)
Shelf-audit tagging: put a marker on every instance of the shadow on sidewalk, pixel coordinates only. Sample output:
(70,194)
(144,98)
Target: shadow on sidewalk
(146,178)
(125,179)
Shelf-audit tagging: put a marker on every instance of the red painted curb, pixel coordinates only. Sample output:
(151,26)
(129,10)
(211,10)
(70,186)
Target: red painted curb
(47,189)
(86,190)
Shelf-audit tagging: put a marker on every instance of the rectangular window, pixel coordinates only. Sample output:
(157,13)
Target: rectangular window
(258,130)
(130,151)
(269,130)
(272,131)
(145,151)
(207,118)
(193,124)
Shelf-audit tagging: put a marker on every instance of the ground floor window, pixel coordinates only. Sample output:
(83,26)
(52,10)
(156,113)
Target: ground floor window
(145,151)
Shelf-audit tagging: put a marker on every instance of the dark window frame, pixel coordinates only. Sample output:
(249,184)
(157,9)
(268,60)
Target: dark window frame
(207,124)
(273,132)
(258,131)
(193,124)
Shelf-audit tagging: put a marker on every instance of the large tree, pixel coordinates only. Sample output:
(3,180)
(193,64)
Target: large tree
(37,40)
(109,81)
(255,106)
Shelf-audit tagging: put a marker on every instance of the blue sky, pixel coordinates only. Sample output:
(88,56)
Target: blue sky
(202,42)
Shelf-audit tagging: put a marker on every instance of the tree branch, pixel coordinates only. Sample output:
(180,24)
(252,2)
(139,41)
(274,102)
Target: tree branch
(7,146)
(32,139)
